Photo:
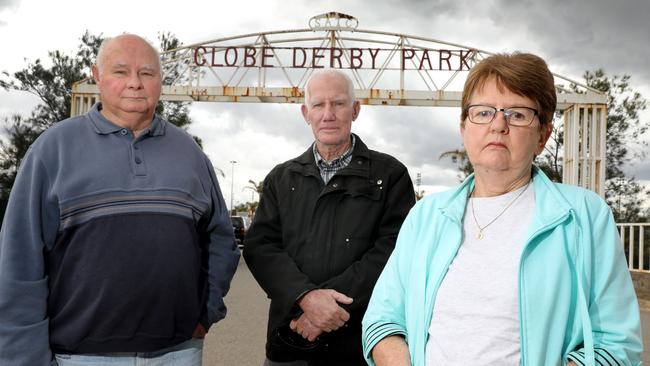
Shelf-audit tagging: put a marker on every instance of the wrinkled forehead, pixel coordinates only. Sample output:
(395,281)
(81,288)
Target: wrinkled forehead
(331,86)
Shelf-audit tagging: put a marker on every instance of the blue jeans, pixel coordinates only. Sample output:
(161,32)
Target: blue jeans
(188,353)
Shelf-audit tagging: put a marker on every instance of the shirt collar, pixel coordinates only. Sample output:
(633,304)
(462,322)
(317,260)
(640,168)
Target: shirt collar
(320,161)
(105,127)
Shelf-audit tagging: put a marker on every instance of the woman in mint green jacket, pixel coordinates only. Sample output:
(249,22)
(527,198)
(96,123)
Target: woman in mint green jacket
(509,268)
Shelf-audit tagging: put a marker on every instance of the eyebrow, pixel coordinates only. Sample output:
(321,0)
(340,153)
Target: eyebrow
(143,68)
(149,68)
(334,100)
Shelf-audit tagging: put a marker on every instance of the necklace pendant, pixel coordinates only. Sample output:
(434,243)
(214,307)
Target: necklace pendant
(479,235)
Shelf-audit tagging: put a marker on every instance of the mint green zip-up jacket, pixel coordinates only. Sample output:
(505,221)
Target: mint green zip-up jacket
(576,298)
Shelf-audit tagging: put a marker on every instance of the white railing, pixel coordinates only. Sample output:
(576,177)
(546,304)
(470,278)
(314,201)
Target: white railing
(635,238)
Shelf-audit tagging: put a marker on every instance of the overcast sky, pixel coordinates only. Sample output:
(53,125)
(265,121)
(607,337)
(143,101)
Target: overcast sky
(573,36)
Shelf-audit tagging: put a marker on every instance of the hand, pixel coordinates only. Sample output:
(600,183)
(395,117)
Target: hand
(322,308)
(571,363)
(305,328)
(199,331)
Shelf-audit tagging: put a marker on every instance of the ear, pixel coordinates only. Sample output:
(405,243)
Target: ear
(462,128)
(304,110)
(544,135)
(356,108)
(95,72)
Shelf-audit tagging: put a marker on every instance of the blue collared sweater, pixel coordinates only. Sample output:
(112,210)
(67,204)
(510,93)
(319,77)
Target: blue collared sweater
(111,243)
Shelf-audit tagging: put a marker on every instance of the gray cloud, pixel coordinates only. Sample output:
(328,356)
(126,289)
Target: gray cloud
(416,135)
(576,35)
(639,169)
(587,34)
(8,4)
(573,36)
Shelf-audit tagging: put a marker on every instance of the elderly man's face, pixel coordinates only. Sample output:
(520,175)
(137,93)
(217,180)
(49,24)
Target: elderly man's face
(329,111)
(129,80)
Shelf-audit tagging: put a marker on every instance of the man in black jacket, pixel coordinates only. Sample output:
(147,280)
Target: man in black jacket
(326,225)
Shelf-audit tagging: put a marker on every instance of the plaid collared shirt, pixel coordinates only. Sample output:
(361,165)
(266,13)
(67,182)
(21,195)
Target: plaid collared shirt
(327,171)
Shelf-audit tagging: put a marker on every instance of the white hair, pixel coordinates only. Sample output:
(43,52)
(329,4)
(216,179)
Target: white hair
(329,72)
(99,61)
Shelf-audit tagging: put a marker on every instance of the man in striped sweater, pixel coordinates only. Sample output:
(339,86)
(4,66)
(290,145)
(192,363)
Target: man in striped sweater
(116,242)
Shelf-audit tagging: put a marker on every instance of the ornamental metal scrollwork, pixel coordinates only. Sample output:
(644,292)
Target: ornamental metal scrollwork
(333,21)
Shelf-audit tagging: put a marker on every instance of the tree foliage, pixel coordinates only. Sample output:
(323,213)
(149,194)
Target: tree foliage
(255,187)
(625,139)
(20,135)
(51,82)
(175,112)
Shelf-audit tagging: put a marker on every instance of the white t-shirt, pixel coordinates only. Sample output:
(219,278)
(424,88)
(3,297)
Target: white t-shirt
(476,312)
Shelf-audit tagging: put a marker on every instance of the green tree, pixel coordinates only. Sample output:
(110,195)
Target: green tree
(255,187)
(550,161)
(258,188)
(625,196)
(625,139)
(52,85)
(174,112)
(19,136)
(248,207)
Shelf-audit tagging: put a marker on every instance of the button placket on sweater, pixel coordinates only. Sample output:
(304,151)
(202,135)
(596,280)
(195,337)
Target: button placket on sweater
(137,156)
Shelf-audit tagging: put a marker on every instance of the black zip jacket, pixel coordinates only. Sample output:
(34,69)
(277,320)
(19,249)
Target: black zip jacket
(308,235)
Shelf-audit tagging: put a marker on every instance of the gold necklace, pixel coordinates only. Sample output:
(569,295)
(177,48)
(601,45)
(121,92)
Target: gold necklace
(480,235)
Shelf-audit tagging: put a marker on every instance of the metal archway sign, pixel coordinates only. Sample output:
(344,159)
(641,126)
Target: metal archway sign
(387,69)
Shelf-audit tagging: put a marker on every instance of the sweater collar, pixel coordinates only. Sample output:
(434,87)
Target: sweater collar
(103,126)
(358,166)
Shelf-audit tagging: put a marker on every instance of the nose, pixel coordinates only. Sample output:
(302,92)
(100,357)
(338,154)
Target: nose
(134,81)
(329,112)
(499,123)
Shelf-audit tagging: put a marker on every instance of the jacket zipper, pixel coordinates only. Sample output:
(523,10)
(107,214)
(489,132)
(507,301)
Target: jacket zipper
(522,323)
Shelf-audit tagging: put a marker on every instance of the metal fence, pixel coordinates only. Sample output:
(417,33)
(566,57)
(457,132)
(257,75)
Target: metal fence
(635,238)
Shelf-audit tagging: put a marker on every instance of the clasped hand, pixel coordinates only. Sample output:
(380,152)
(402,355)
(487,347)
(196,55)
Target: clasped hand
(321,313)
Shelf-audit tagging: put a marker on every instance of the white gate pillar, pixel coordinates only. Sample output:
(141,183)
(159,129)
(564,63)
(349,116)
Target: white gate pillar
(84,96)
(585,132)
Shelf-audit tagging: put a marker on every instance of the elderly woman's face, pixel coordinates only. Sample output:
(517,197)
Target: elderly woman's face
(498,146)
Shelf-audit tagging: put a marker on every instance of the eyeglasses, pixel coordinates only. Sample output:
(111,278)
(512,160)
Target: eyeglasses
(515,116)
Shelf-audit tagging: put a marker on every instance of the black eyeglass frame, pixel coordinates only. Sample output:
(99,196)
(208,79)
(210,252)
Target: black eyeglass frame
(506,115)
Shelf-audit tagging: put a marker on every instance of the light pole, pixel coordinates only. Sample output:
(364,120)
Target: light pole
(232,185)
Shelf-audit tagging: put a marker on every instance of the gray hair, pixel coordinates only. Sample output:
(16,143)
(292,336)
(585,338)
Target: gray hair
(329,72)
(99,61)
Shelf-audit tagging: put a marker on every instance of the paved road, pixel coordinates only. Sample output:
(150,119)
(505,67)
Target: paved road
(239,339)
